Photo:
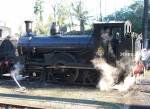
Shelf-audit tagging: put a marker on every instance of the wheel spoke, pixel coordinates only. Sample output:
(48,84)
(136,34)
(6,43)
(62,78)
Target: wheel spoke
(89,77)
(65,75)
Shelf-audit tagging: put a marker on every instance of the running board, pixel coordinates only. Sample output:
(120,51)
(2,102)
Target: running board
(18,77)
(68,65)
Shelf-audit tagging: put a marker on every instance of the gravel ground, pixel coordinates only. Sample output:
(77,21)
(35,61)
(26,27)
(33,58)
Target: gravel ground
(55,90)
(89,97)
(140,94)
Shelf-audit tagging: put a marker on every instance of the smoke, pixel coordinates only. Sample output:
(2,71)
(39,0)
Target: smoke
(130,80)
(15,74)
(126,85)
(137,56)
(107,74)
(16,71)
(114,77)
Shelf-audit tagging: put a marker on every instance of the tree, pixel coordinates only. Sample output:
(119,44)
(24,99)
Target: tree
(62,14)
(134,13)
(38,9)
(80,13)
(19,32)
(54,5)
(40,27)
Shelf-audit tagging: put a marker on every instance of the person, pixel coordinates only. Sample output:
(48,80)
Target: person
(138,70)
(145,55)
(106,36)
(115,43)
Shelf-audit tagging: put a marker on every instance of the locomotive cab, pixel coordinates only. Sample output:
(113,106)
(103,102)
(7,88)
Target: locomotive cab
(113,39)
(122,27)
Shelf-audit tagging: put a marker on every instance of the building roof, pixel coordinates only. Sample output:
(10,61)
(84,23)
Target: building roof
(113,23)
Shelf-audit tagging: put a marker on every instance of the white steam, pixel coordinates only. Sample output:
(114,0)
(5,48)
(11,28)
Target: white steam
(16,71)
(110,75)
(15,74)
(106,82)
(137,56)
(126,85)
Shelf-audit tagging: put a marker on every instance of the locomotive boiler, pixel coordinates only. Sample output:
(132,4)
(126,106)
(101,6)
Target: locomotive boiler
(67,58)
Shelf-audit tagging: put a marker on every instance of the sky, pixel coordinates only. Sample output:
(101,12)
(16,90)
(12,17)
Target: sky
(15,12)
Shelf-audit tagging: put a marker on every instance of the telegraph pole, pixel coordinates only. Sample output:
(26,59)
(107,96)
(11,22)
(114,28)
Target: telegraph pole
(145,24)
(100,11)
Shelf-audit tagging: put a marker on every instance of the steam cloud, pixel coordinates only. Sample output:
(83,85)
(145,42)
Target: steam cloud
(114,77)
(15,74)
(126,85)
(16,71)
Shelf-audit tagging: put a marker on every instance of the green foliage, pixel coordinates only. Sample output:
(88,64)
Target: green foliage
(78,10)
(62,14)
(80,13)
(86,32)
(38,9)
(134,13)
(19,32)
(41,28)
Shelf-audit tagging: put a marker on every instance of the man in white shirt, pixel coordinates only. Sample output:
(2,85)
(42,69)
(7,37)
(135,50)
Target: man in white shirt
(145,55)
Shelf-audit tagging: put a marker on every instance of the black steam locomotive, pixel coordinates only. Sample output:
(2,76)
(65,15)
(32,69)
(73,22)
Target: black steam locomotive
(67,58)
(7,51)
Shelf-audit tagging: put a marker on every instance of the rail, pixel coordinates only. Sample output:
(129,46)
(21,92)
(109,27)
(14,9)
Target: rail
(42,102)
(17,101)
(12,106)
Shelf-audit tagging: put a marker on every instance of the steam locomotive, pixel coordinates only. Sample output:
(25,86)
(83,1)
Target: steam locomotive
(67,58)
(7,51)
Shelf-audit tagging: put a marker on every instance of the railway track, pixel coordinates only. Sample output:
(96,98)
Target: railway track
(23,101)
(11,106)
(17,101)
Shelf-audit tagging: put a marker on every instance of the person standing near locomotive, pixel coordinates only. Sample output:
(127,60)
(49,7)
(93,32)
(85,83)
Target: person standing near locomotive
(145,55)
(115,43)
(140,64)
(138,70)
(106,38)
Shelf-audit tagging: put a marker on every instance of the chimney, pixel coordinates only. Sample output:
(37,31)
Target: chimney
(1,32)
(28,27)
